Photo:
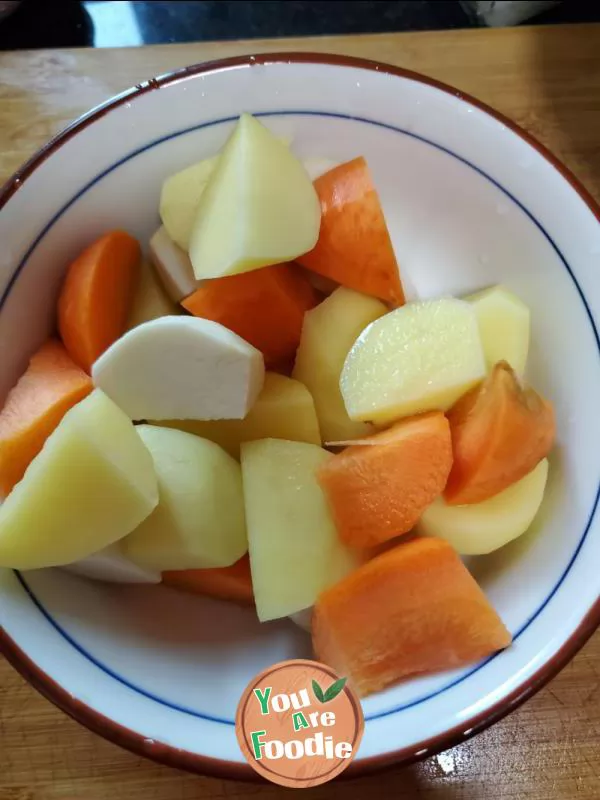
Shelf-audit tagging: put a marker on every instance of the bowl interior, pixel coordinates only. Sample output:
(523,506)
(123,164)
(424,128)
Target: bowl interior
(469,204)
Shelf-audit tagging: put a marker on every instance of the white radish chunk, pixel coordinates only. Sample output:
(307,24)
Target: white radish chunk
(111,566)
(181,368)
(173,266)
(303,619)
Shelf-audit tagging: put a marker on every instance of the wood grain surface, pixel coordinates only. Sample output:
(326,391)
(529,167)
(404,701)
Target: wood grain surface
(548,80)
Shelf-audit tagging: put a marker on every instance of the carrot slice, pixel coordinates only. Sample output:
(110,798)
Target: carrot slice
(354,246)
(97,296)
(265,307)
(414,609)
(379,490)
(51,385)
(500,432)
(226,583)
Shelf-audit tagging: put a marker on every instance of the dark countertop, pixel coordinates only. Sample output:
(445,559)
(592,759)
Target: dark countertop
(105,23)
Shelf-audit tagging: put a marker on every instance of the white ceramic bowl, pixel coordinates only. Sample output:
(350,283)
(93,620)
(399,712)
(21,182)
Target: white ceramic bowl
(471,200)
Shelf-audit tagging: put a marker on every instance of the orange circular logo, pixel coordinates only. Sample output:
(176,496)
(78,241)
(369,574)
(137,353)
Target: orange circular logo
(299,724)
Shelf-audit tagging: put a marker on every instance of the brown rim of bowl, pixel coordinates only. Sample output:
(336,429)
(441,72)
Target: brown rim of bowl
(164,754)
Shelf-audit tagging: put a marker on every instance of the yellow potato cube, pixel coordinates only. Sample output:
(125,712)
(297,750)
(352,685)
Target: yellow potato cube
(503,326)
(150,301)
(295,551)
(284,410)
(180,198)
(420,357)
(199,521)
(259,206)
(92,483)
(328,333)
(483,527)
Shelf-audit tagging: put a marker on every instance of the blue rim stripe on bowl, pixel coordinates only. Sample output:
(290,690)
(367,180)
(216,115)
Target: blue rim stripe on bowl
(375,123)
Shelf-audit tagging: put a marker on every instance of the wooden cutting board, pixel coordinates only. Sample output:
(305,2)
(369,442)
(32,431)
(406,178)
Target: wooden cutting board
(548,80)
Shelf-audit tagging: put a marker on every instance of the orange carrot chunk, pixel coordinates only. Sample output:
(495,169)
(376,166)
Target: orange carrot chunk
(500,432)
(51,385)
(379,489)
(226,583)
(97,296)
(414,609)
(265,307)
(354,246)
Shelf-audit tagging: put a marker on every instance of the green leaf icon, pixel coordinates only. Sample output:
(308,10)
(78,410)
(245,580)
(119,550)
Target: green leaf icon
(318,692)
(334,689)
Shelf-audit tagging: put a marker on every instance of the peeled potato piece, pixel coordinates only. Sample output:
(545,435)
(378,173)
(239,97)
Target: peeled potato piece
(329,331)
(181,368)
(283,410)
(259,206)
(180,197)
(150,301)
(420,357)
(503,321)
(480,528)
(92,483)
(181,193)
(295,551)
(199,521)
